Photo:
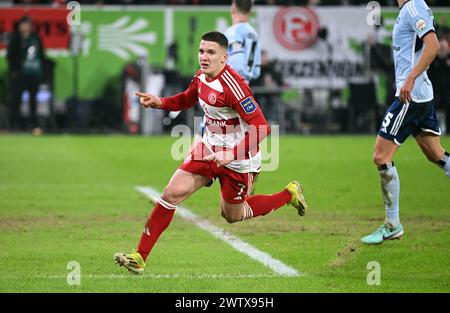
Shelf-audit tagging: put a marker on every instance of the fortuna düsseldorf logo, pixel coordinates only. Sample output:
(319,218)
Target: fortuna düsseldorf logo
(296,28)
(212,97)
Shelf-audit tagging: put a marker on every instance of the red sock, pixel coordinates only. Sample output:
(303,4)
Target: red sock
(159,220)
(264,204)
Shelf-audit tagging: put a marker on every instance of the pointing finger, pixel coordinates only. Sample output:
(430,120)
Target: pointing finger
(141,94)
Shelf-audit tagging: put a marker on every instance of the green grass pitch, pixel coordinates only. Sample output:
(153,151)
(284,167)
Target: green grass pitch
(72,198)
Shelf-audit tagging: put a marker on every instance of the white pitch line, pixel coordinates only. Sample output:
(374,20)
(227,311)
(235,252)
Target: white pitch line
(159,276)
(267,260)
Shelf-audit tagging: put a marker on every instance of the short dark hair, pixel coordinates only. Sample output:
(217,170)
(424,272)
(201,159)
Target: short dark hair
(25,19)
(244,6)
(218,37)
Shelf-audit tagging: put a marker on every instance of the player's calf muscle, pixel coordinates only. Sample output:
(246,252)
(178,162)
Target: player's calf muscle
(434,156)
(232,213)
(431,147)
(232,218)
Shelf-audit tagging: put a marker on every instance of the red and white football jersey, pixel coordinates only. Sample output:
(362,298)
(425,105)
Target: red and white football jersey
(233,119)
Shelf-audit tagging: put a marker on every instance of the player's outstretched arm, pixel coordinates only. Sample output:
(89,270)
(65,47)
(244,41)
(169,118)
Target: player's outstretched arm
(430,51)
(148,100)
(181,101)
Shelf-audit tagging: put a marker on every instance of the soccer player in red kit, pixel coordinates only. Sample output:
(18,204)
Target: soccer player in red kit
(228,151)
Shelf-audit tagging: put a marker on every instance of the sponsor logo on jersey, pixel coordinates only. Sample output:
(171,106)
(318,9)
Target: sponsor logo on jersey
(249,105)
(220,123)
(421,24)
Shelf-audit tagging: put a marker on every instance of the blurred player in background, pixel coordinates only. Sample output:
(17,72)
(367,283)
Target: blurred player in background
(25,56)
(415,46)
(229,150)
(244,51)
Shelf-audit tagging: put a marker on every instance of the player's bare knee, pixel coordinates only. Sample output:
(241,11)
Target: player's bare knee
(379,159)
(172,195)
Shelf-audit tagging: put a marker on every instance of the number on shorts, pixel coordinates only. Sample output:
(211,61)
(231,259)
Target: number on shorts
(241,190)
(387,119)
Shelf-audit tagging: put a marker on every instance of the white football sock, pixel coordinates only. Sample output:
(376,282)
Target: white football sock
(444,163)
(390,186)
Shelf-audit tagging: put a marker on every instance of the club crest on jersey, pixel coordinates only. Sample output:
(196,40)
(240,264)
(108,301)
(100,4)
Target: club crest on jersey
(249,105)
(421,24)
(212,97)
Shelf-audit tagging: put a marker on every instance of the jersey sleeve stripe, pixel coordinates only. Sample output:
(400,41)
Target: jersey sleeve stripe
(235,83)
(408,7)
(231,87)
(413,7)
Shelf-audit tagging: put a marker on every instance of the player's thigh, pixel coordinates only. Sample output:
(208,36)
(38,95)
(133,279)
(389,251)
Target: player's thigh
(182,185)
(430,144)
(427,133)
(234,188)
(400,121)
(384,150)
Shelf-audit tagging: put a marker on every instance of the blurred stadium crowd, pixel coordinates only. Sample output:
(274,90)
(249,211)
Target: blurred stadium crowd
(224,2)
(297,108)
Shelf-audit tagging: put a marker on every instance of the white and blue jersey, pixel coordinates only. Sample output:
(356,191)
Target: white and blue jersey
(244,51)
(402,118)
(415,20)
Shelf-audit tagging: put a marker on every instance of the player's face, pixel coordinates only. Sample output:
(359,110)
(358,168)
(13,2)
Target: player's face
(25,29)
(211,57)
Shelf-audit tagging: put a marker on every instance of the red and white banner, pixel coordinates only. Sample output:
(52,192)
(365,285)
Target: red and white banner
(51,24)
(313,45)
